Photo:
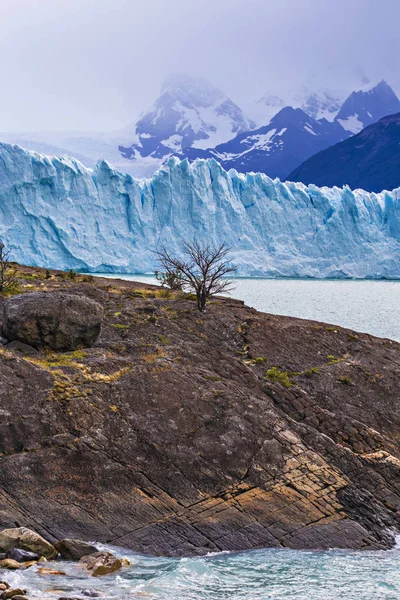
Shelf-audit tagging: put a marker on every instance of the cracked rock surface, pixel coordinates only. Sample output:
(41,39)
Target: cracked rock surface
(180,433)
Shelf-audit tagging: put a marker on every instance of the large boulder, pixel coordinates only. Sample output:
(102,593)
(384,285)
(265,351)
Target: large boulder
(53,320)
(26,539)
(74,549)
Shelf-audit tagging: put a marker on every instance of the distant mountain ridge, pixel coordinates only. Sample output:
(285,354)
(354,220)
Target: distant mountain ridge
(369,160)
(276,148)
(189,113)
(194,119)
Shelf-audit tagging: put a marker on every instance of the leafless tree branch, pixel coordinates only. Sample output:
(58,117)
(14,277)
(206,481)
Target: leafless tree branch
(204,270)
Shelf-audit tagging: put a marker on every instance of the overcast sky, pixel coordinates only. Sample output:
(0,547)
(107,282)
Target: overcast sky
(96,64)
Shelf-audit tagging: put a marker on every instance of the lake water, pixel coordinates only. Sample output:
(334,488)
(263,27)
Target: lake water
(366,306)
(256,575)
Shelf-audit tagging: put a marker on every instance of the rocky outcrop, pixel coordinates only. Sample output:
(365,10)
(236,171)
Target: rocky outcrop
(180,433)
(60,322)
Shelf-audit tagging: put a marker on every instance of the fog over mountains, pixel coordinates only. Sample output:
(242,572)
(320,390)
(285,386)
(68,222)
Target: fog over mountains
(192,118)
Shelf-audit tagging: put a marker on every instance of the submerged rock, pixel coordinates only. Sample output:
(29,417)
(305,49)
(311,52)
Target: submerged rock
(74,549)
(9,563)
(46,571)
(26,539)
(57,321)
(101,563)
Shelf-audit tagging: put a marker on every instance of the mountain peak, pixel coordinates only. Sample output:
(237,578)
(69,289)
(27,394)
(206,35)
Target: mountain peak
(365,107)
(194,90)
(189,113)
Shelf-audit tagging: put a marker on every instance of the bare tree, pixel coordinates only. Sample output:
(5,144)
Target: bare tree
(204,270)
(7,271)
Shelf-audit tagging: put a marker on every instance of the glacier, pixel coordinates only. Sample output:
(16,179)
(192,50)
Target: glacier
(56,213)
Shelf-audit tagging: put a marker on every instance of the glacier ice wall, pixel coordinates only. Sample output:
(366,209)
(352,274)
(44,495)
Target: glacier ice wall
(55,212)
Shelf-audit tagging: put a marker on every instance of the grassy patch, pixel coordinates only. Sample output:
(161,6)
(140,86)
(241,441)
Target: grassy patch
(54,359)
(164,293)
(333,360)
(153,356)
(310,372)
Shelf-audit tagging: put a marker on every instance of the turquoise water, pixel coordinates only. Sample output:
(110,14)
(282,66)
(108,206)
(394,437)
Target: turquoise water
(366,306)
(255,575)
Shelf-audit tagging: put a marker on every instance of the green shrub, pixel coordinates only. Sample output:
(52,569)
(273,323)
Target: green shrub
(275,375)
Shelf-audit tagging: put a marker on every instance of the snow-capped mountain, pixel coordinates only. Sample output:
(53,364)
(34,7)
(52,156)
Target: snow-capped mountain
(316,101)
(189,113)
(369,160)
(320,103)
(56,213)
(293,135)
(367,106)
(194,119)
(277,148)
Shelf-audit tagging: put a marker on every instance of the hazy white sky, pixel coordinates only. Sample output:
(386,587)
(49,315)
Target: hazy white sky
(95,64)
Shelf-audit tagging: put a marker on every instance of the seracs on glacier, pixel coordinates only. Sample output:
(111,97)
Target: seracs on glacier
(54,212)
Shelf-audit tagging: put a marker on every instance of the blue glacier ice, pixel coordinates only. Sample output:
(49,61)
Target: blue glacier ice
(54,212)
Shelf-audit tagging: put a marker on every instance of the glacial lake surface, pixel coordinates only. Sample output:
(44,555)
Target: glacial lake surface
(363,305)
(255,575)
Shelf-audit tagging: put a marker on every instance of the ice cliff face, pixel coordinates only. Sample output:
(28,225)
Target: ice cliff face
(57,213)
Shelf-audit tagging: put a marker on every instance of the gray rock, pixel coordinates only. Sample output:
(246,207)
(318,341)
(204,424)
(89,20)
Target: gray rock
(74,549)
(17,346)
(21,555)
(53,320)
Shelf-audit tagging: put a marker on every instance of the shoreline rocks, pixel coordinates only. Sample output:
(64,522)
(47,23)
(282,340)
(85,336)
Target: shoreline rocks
(101,563)
(23,538)
(74,549)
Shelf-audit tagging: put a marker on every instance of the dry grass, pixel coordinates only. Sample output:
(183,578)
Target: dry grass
(153,356)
